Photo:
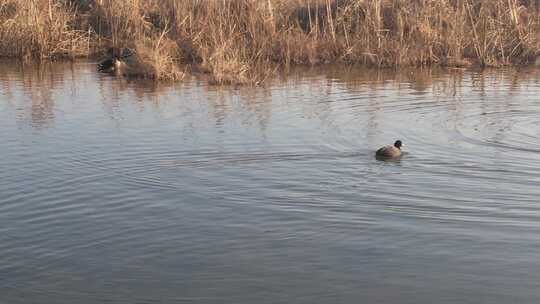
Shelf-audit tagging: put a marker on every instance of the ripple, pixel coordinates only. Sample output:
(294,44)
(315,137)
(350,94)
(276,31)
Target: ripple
(507,129)
(131,195)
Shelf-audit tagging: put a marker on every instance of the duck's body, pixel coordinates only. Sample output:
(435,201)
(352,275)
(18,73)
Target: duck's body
(114,63)
(390,151)
(110,65)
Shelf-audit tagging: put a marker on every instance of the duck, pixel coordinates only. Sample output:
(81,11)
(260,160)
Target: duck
(114,62)
(390,151)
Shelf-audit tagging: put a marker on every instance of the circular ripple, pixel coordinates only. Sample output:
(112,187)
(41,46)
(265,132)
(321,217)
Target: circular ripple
(507,129)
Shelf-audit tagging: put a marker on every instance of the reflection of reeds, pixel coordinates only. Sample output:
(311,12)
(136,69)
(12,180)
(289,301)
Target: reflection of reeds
(238,41)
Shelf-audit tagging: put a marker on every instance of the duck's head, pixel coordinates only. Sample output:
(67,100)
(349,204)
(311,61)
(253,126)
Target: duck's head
(111,52)
(119,52)
(398,144)
(114,52)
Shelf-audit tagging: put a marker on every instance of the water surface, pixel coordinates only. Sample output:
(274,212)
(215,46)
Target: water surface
(115,191)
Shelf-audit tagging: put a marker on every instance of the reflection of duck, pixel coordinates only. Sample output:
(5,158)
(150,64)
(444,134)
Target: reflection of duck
(115,60)
(390,151)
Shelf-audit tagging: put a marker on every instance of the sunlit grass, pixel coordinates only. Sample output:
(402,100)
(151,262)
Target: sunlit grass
(241,41)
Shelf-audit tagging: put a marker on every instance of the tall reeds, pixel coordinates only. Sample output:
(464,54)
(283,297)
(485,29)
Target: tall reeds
(40,29)
(237,41)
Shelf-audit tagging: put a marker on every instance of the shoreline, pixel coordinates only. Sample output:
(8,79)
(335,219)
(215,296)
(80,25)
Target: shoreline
(247,41)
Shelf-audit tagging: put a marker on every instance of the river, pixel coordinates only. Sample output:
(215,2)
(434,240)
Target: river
(116,191)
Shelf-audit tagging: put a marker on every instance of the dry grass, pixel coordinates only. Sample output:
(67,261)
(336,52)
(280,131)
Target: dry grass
(153,60)
(40,29)
(242,41)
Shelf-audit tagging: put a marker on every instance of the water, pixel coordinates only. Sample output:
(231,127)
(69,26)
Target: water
(130,192)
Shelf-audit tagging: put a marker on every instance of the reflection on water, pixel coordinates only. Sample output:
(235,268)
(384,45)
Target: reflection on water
(115,191)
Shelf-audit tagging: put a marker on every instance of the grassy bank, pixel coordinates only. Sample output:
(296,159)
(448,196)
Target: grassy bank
(238,41)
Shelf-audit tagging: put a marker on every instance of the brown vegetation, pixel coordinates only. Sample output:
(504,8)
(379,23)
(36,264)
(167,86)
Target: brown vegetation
(238,41)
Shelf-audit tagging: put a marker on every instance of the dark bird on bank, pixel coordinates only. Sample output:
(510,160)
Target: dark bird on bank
(390,151)
(114,62)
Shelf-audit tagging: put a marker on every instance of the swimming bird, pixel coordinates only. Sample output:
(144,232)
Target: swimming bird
(114,62)
(390,151)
